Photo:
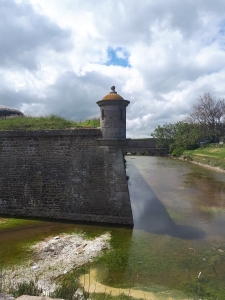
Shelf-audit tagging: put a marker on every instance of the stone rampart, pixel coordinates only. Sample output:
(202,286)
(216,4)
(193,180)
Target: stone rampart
(142,143)
(144,147)
(63,174)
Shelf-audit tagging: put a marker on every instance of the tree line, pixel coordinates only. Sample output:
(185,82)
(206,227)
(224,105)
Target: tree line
(205,122)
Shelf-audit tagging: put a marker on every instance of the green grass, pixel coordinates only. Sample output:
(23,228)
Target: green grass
(212,155)
(13,222)
(45,122)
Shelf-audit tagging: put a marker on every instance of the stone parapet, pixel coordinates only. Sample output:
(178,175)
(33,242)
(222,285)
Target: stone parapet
(58,132)
(142,143)
(113,142)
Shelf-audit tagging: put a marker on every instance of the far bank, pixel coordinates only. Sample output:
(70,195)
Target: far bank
(211,156)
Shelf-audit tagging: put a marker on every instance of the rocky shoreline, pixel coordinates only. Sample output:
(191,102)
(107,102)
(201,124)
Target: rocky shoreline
(218,169)
(191,160)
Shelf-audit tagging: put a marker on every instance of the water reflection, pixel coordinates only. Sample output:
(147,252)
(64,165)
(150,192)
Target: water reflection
(150,214)
(203,181)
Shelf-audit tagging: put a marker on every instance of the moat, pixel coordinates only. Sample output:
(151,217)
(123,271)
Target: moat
(177,246)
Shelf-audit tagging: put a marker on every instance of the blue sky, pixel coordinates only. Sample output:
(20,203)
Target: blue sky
(118,57)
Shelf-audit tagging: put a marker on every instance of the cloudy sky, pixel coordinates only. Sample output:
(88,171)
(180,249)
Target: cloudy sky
(61,56)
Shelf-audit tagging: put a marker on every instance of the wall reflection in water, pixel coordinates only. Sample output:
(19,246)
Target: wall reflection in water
(148,211)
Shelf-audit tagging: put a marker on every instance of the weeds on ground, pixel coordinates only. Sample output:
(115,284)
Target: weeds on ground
(25,288)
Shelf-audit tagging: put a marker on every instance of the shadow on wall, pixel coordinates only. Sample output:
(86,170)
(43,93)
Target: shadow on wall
(150,214)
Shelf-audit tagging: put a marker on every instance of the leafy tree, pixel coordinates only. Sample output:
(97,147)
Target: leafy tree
(208,113)
(188,135)
(165,135)
(178,137)
(207,120)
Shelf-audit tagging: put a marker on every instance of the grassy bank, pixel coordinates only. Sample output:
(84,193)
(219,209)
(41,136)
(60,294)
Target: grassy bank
(212,155)
(13,222)
(45,122)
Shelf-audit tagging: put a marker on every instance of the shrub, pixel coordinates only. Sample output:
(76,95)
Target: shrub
(178,151)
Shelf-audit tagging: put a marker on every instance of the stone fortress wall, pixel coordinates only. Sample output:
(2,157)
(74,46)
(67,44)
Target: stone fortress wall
(63,174)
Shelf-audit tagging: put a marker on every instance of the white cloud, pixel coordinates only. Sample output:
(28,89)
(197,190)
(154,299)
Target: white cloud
(53,56)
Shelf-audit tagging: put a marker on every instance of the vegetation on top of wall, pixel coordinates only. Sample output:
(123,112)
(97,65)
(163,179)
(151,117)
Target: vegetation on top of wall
(45,122)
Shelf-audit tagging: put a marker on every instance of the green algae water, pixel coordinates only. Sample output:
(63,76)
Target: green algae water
(176,249)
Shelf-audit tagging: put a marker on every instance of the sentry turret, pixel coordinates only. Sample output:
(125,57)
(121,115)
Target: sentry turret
(113,115)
